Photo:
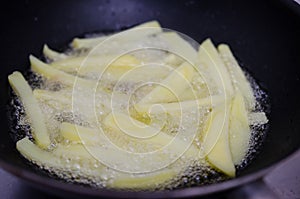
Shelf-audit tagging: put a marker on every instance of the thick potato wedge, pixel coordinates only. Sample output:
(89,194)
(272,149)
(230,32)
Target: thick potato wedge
(216,144)
(179,46)
(209,57)
(239,129)
(238,78)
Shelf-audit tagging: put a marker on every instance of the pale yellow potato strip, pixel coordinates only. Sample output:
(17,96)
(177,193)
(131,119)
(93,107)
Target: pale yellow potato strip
(179,46)
(72,151)
(141,74)
(48,159)
(87,42)
(96,64)
(173,60)
(32,109)
(239,129)
(143,181)
(80,134)
(92,42)
(210,58)
(53,55)
(238,77)
(179,106)
(56,99)
(56,75)
(39,156)
(121,180)
(216,141)
(126,125)
(171,87)
(55,161)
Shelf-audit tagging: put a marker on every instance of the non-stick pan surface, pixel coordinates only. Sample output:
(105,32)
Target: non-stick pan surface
(264,35)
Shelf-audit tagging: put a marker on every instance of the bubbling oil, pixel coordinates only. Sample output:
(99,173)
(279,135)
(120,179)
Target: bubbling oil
(92,172)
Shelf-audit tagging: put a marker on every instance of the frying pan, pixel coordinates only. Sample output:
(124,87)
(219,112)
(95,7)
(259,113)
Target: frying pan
(264,35)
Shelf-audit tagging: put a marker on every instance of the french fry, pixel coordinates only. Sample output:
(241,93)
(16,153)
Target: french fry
(121,180)
(179,106)
(216,144)
(32,109)
(126,125)
(209,57)
(96,64)
(144,181)
(108,154)
(173,60)
(37,155)
(239,129)
(57,75)
(80,134)
(144,73)
(55,161)
(239,80)
(171,87)
(92,42)
(78,43)
(48,159)
(56,99)
(179,46)
(53,55)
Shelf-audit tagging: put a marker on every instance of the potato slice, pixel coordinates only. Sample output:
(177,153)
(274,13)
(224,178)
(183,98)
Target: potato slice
(53,55)
(173,60)
(56,99)
(92,42)
(171,87)
(57,75)
(49,160)
(78,43)
(32,109)
(239,129)
(111,155)
(216,144)
(37,155)
(73,151)
(80,134)
(128,126)
(239,80)
(55,161)
(144,181)
(179,106)
(179,46)
(96,64)
(209,57)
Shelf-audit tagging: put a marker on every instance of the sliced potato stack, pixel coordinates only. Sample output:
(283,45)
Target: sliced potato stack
(224,132)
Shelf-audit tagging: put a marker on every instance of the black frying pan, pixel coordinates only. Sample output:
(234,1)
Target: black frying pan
(265,36)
